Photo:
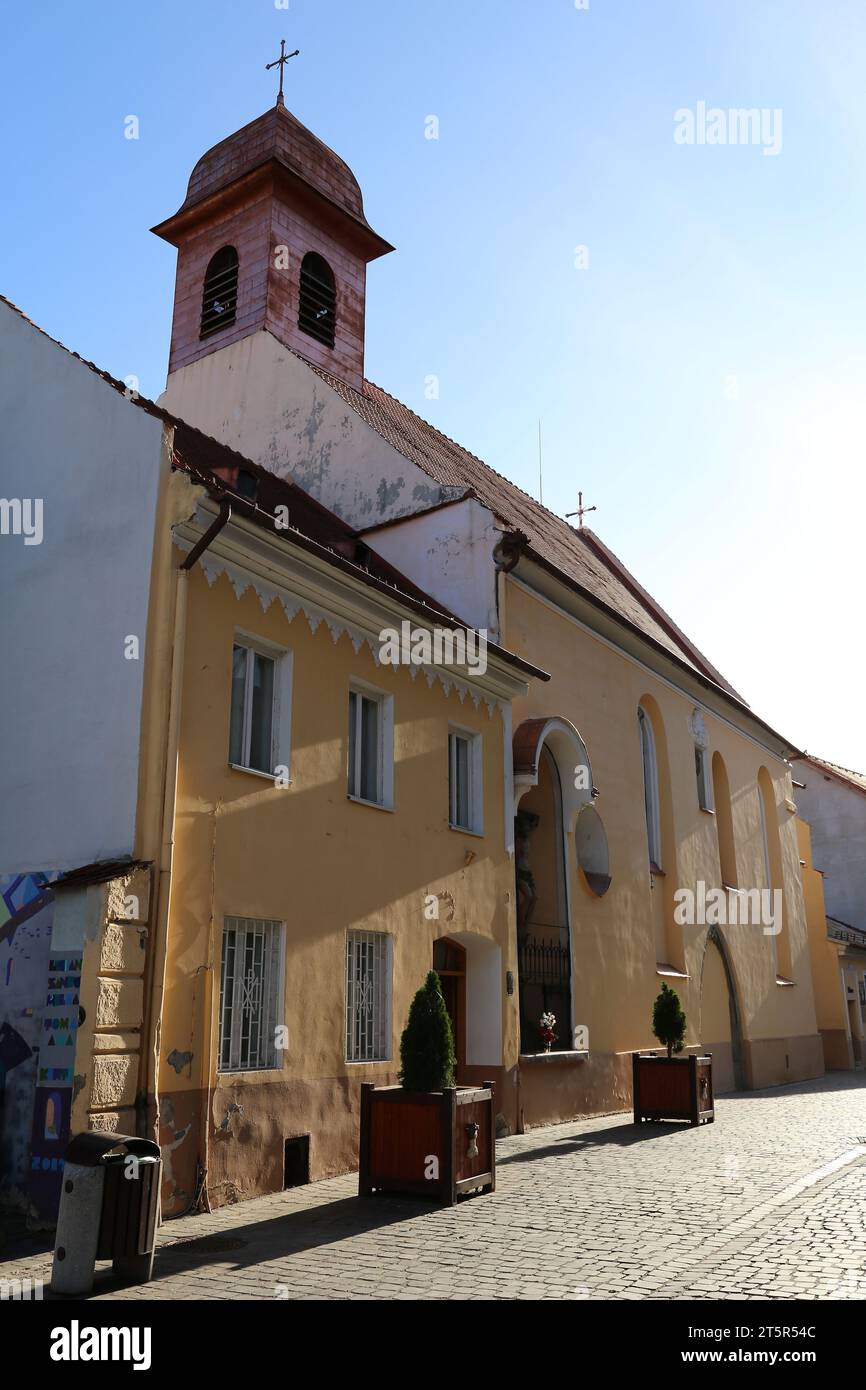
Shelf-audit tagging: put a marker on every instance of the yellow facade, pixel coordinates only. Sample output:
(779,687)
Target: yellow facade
(625,941)
(307,856)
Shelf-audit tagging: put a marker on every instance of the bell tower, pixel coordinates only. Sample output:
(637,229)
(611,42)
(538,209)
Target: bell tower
(272,236)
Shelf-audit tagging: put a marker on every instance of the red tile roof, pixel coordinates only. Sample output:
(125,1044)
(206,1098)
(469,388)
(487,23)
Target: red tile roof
(579,556)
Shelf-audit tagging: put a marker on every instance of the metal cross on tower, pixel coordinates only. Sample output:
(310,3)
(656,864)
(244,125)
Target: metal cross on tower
(582,511)
(281,63)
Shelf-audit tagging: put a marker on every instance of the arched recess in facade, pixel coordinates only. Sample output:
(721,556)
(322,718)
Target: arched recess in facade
(716,950)
(552,784)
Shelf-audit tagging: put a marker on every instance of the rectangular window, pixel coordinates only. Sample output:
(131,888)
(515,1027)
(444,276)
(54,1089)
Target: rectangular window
(371,739)
(249,994)
(254,683)
(368,996)
(464,781)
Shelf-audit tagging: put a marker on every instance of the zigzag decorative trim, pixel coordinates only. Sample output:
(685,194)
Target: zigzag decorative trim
(240,581)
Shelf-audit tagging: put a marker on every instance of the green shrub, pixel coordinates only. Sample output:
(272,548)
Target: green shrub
(427,1045)
(669,1020)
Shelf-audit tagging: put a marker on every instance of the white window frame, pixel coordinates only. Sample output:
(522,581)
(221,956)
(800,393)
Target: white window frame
(281,713)
(475,766)
(649,765)
(705,791)
(257,1050)
(385,749)
(370,1041)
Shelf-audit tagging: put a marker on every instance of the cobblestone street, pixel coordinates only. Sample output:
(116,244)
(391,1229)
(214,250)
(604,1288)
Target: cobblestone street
(768,1202)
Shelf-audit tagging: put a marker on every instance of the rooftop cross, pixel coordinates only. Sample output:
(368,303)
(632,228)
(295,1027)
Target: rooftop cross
(281,63)
(581,512)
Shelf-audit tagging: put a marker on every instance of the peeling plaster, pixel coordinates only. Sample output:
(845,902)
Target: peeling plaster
(179,1060)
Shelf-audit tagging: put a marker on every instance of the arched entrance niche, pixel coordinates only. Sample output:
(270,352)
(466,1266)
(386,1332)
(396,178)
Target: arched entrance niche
(720,1015)
(469,967)
(552,783)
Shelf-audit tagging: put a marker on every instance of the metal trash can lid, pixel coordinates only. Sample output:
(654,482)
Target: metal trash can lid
(95,1146)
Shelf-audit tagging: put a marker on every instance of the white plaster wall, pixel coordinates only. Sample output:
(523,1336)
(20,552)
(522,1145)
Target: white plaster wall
(448,554)
(263,400)
(837,815)
(70,704)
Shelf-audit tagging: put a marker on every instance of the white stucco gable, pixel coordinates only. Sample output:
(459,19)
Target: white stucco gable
(260,398)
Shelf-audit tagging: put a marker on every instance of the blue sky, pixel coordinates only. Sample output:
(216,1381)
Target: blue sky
(702,379)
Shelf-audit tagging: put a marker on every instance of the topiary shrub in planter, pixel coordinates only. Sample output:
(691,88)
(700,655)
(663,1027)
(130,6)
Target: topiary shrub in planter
(669,1087)
(427,1136)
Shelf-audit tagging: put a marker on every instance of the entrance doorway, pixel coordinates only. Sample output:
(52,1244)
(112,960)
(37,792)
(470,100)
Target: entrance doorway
(449,962)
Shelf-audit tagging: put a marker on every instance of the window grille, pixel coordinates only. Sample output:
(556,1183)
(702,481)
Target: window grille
(249,994)
(220,295)
(368,991)
(317,301)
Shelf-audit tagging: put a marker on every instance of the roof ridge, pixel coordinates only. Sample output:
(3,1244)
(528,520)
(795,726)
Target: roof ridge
(463,449)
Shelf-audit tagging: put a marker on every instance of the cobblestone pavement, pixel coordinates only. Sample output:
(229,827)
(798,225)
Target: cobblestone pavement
(768,1202)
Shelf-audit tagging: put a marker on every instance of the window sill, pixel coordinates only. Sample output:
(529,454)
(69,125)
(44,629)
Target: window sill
(379,1062)
(707,810)
(374,805)
(464,830)
(783,983)
(255,772)
(655,871)
(670,972)
(551,1058)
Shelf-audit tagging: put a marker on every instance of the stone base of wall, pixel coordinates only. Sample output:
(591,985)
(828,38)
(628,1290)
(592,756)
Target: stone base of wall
(775,1061)
(559,1086)
(838,1055)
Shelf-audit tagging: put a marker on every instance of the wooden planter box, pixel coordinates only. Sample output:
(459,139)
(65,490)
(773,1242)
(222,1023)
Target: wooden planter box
(673,1088)
(403,1132)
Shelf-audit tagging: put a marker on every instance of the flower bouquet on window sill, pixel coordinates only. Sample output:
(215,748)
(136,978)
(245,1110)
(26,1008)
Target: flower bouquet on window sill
(547,1030)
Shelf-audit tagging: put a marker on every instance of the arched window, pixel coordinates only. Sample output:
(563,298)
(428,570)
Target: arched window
(220,295)
(317,302)
(650,787)
(724,823)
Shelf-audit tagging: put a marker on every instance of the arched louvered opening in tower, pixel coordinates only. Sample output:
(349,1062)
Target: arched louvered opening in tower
(317,302)
(220,294)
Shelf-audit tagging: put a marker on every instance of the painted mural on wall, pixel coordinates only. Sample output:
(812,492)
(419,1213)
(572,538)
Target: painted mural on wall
(38,1024)
(26,913)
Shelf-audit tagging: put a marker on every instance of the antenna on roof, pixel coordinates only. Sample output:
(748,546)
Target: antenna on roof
(540,492)
(581,512)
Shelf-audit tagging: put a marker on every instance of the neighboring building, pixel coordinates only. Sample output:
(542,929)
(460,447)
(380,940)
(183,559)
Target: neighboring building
(671,783)
(833,801)
(81,471)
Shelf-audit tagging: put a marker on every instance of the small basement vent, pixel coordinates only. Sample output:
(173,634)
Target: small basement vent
(220,295)
(296,1167)
(317,304)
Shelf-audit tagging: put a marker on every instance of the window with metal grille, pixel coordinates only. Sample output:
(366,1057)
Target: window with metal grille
(220,295)
(317,302)
(249,994)
(368,996)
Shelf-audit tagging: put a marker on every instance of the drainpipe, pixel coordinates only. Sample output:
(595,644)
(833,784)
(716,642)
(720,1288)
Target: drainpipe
(157,990)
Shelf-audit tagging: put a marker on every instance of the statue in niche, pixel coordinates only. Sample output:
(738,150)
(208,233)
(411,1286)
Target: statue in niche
(524,824)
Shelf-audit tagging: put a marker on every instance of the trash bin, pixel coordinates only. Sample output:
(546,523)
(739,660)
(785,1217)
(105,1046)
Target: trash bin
(109,1209)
